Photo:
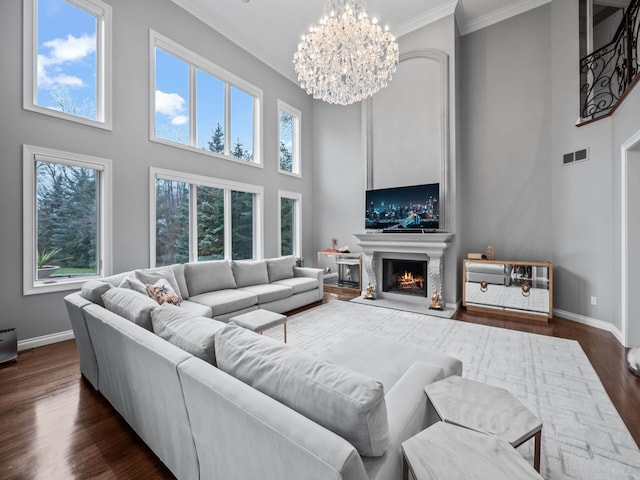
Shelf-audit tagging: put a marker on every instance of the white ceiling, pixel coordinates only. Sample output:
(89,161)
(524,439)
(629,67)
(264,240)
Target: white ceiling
(271,29)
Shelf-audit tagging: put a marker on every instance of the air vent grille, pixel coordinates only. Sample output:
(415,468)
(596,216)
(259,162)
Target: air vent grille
(575,157)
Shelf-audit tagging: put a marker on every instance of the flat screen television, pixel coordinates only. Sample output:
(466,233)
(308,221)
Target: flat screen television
(415,207)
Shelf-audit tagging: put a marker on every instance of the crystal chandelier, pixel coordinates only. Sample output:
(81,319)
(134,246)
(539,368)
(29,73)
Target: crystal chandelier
(347,57)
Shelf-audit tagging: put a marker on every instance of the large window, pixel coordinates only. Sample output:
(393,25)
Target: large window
(197,105)
(200,218)
(66,217)
(290,228)
(288,139)
(67,60)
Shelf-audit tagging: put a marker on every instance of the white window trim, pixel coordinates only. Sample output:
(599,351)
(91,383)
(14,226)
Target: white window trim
(31,285)
(104,82)
(296,139)
(297,221)
(157,40)
(227,186)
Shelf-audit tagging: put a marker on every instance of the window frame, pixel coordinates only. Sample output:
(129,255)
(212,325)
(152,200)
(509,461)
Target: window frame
(227,186)
(196,62)
(104,63)
(296,169)
(297,221)
(32,154)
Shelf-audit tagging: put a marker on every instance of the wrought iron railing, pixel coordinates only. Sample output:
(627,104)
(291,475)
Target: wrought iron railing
(607,73)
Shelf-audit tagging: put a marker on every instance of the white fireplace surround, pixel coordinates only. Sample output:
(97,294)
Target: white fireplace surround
(404,246)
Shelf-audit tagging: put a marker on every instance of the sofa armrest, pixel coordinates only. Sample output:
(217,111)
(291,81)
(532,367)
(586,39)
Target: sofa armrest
(408,413)
(238,429)
(75,304)
(307,272)
(316,273)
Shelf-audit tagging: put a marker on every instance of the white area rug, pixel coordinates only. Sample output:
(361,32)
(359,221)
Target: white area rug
(583,437)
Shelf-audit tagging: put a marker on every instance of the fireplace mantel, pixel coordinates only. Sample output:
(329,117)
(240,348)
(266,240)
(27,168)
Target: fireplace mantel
(418,245)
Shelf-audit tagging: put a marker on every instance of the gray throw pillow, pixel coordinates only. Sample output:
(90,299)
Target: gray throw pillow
(280,268)
(250,272)
(130,304)
(343,401)
(204,277)
(93,290)
(190,332)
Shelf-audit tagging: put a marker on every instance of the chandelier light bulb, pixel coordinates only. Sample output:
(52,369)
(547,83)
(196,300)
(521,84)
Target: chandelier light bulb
(347,57)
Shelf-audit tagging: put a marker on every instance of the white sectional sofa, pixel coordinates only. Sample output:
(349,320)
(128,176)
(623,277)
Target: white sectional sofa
(216,401)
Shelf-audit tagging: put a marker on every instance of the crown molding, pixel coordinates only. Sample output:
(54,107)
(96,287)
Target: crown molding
(426,18)
(516,8)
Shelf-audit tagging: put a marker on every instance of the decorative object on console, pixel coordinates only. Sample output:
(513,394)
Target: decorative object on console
(491,252)
(347,57)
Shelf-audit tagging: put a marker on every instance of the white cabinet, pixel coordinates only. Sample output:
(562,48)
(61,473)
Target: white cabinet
(522,289)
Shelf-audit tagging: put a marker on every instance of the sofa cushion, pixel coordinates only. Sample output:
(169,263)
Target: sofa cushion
(280,268)
(163,292)
(150,277)
(93,290)
(250,272)
(187,331)
(203,277)
(343,401)
(132,305)
(131,282)
(269,293)
(226,301)
(299,284)
(178,271)
(197,308)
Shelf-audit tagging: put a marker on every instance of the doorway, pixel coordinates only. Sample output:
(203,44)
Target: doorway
(630,254)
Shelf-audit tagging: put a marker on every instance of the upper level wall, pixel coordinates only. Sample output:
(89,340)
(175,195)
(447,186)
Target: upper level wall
(129,148)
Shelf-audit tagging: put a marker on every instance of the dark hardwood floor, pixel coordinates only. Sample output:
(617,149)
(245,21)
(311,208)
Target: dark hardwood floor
(54,425)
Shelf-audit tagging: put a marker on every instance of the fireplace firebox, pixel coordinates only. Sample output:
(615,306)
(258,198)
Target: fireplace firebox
(408,277)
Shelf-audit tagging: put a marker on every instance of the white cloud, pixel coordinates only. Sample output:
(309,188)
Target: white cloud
(63,51)
(70,49)
(179,120)
(171,105)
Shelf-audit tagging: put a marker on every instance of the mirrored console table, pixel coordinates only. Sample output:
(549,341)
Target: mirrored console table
(520,289)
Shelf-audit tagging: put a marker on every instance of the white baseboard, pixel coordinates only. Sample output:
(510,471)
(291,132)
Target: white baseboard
(45,340)
(591,322)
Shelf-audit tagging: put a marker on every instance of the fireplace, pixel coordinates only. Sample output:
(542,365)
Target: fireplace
(408,277)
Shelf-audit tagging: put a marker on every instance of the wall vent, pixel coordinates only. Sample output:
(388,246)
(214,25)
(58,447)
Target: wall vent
(574,157)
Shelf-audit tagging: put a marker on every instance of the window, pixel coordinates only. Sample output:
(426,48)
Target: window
(289,139)
(67,60)
(197,105)
(200,218)
(66,209)
(290,228)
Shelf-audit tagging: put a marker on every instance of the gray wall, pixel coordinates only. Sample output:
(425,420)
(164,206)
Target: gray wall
(129,148)
(504,165)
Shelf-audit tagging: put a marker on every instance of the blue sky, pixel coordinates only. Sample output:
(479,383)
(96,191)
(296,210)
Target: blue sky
(67,80)
(66,58)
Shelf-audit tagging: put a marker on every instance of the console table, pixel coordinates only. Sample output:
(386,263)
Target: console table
(522,289)
(341,268)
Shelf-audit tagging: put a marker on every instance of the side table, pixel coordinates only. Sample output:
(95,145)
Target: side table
(444,452)
(487,409)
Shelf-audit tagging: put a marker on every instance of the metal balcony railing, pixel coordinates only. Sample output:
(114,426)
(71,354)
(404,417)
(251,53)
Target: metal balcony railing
(609,72)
